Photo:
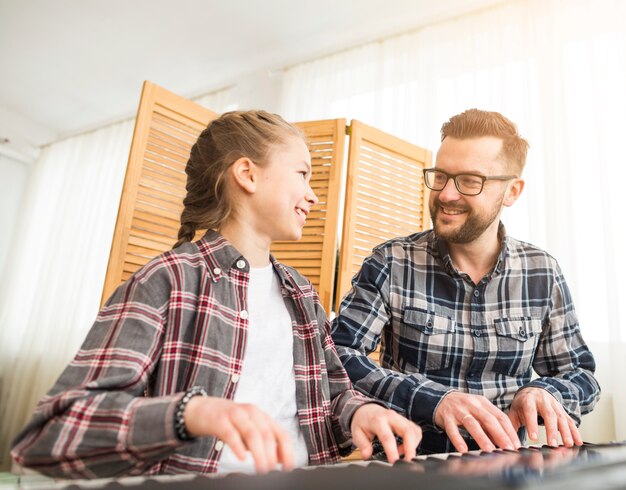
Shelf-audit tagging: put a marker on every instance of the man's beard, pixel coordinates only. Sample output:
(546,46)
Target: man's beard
(474,226)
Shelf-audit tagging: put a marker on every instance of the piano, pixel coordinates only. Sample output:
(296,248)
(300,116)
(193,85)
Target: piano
(591,466)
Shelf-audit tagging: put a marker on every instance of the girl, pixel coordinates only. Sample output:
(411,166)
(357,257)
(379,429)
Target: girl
(214,356)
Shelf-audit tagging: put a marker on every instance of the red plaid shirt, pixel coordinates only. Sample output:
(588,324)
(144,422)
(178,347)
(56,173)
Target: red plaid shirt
(179,322)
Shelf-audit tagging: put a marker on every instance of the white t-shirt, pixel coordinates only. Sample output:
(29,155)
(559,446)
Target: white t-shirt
(267,378)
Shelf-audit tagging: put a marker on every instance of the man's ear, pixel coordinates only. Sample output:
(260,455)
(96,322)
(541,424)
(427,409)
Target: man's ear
(513,192)
(244,174)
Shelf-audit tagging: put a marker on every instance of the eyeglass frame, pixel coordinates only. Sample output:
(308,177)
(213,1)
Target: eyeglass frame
(483,178)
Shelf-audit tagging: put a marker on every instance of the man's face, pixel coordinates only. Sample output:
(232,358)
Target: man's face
(458,218)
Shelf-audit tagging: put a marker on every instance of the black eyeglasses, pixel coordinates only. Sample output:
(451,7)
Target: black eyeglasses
(466,184)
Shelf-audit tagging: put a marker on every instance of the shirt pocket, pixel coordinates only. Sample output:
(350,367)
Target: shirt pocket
(427,340)
(517,340)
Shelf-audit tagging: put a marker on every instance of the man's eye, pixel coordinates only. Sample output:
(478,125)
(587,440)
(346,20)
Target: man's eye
(469,181)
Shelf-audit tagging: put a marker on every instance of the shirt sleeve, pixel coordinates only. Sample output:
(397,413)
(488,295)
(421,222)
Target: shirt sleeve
(562,360)
(95,421)
(345,400)
(363,315)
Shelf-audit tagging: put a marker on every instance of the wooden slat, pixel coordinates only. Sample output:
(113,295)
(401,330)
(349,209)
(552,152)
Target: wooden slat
(385,196)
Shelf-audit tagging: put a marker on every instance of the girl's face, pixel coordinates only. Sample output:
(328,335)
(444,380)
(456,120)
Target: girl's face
(284,196)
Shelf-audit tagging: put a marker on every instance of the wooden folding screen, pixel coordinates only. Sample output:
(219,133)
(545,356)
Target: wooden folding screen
(148,218)
(385,196)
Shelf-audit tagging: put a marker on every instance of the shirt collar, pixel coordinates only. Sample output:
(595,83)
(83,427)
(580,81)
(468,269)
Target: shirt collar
(222,256)
(444,252)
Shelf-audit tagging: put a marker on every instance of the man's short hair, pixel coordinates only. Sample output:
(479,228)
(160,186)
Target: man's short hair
(474,123)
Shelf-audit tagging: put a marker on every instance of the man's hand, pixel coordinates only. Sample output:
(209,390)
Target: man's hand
(488,425)
(372,420)
(532,402)
(243,427)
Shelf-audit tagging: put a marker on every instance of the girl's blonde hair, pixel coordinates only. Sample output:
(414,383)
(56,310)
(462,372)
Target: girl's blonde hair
(236,134)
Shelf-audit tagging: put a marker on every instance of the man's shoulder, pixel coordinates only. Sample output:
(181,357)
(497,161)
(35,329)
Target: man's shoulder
(421,240)
(529,253)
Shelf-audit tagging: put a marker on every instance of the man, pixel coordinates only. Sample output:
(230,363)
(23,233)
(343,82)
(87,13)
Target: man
(464,313)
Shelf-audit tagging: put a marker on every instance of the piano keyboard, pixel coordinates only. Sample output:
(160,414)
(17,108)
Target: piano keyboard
(592,466)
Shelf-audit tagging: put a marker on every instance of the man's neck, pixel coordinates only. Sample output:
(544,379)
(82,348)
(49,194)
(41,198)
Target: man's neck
(476,258)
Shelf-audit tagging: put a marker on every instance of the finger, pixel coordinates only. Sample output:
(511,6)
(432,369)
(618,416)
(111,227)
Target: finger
(452,431)
(477,432)
(564,429)
(515,419)
(363,442)
(511,431)
(498,427)
(231,437)
(411,435)
(252,439)
(550,423)
(530,420)
(284,448)
(388,440)
(578,440)
(268,430)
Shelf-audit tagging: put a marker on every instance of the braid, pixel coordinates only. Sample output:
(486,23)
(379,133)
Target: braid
(186,233)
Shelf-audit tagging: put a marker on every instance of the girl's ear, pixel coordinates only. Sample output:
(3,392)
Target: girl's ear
(244,173)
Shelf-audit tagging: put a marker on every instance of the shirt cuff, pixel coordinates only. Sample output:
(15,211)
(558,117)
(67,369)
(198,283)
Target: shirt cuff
(151,424)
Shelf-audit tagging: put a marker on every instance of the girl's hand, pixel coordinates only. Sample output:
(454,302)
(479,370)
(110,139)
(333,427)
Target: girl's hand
(243,427)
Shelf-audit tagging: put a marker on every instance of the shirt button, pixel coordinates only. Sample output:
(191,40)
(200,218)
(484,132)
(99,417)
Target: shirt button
(522,332)
(476,333)
(471,375)
(217,271)
(243,314)
(241,264)
(476,293)
(234,378)
(219,445)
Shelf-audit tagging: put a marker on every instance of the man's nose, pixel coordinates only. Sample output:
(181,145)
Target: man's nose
(449,192)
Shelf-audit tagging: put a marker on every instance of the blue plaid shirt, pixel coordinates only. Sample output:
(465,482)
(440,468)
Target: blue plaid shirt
(440,332)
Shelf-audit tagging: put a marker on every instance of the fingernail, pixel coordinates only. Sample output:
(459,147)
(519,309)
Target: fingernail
(554,442)
(508,447)
(533,436)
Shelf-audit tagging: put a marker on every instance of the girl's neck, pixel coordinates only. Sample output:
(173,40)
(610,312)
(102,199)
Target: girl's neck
(253,246)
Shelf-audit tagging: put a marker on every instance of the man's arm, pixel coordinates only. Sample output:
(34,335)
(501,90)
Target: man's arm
(357,330)
(565,366)
(357,419)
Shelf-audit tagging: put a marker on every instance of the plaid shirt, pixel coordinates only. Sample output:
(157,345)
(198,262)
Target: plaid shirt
(180,322)
(439,331)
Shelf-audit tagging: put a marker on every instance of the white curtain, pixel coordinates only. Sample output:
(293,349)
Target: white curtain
(220,101)
(558,69)
(56,263)
(52,281)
